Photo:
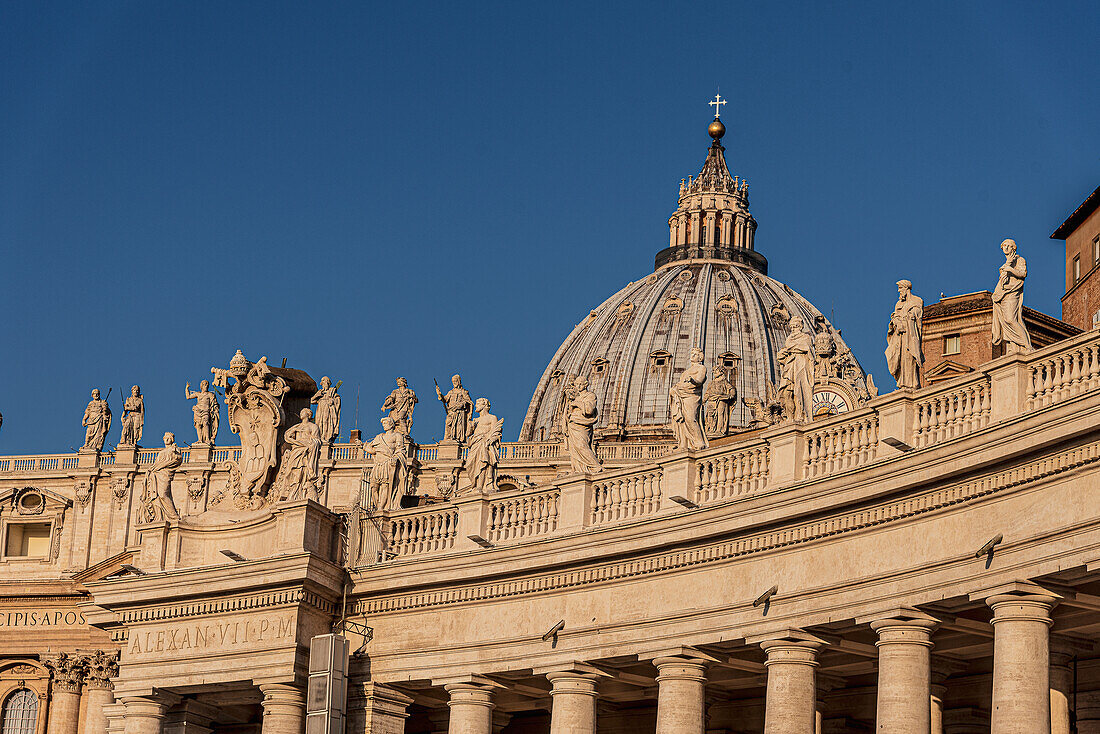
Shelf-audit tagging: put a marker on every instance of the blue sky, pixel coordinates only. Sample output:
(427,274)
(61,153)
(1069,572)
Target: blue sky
(373,190)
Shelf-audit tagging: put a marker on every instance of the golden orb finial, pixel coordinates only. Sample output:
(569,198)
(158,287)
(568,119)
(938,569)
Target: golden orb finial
(717,129)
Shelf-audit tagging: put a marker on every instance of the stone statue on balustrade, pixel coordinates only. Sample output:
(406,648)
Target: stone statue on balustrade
(458,405)
(298,467)
(904,357)
(97,422)
(387,479)
(400,404)
(580,418)
(483,453)
(1008,303)
(133,418)
(718,400)
(796,360)
(206,410)
(156,494)
(685,403)
(327,401)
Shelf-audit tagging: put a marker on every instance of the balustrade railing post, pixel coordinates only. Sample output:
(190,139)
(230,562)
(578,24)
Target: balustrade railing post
(897,419)
(575,504)
(788,454)
(473,522)
(1009,379)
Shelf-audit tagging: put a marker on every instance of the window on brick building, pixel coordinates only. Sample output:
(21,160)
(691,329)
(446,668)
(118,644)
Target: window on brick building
(952,344)
(1096,250)
(1076,269)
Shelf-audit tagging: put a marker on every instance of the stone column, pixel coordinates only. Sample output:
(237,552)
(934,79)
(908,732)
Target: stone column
(65,687)
(376,709)
(574,703)
(904,675)
(284,709)
(144,715)
(1061,683)
(98,691)
(791,703)
(680,705)
(1021,663)
(471,707)
(941,668)
(1088,712)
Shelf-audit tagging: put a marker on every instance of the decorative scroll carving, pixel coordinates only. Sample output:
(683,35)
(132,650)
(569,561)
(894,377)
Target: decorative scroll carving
(196,486)
(120,490)
(28,501)
(255,407)
(82,490)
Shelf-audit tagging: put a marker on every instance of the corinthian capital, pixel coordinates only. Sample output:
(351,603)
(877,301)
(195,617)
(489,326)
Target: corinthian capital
(67,671)
(101,668)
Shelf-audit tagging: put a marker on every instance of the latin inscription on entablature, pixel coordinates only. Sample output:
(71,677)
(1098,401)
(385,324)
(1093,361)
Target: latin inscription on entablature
(199,636)
(46,617)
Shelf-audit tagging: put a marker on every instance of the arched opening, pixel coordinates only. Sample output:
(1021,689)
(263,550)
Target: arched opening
(20,712)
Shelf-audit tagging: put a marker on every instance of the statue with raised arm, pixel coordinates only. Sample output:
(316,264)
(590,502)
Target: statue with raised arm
(400,405)
(156,495)
(327,401)
(97,422)
(685,401)
(580,418)
(458,405)
(483,455)
(1008,303)
(298,470)
(206,410)
(133,418)
(797,366)
(904,357)
(389,466)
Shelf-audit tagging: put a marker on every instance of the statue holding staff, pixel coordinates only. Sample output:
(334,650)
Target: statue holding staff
(458,405)
(97,422)
(133,418)
(904,357)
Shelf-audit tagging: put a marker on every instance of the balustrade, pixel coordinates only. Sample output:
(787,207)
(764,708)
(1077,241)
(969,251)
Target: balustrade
(626,496)
(942,417)
(841,446)
(1064,375)
(419,532)
(723,476)
(523,516)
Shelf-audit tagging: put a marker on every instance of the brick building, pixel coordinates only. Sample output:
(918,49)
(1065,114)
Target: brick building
(958,334)
(1081,232)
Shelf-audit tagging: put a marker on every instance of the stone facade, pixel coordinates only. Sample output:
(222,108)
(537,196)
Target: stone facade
(925,561)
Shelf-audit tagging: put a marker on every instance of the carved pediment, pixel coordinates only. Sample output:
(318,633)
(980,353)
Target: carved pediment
(113,566)
(32,501)
(946,370)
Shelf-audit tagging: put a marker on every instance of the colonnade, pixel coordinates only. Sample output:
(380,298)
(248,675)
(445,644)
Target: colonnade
(1026,680)
(80,692)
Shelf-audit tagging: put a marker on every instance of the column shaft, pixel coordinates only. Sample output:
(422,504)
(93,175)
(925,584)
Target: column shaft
(96,698)
(143,716)
(284,709)
(574,703)
(64,711)
(791,703)
(1061,685)
(680,703)
(904,676)
(1021,664)
(471,707)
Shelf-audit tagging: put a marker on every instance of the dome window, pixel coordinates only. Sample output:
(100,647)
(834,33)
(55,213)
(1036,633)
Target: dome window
(727,306)
(660,359)
(599,365)
(728,360)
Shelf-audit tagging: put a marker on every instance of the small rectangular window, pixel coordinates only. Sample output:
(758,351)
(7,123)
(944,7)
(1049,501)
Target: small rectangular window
(1096,250)
(952,344)
(28,540)
(1076,268)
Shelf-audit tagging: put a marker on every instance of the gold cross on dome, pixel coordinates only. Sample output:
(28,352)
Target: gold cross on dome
(718,101)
